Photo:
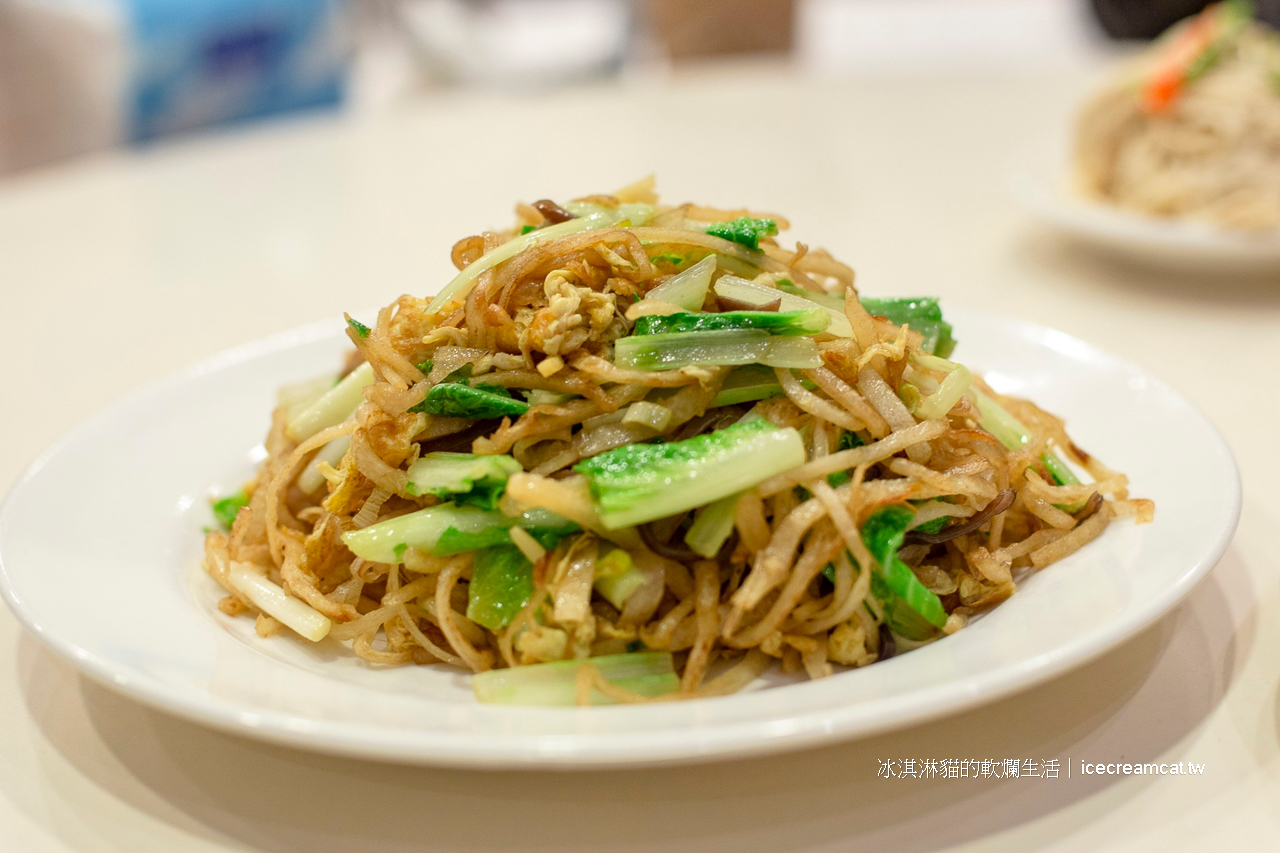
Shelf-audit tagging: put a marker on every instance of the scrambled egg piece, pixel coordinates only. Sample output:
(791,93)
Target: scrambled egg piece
(574,314)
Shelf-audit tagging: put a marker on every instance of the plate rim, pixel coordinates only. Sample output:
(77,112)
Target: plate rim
(737,739)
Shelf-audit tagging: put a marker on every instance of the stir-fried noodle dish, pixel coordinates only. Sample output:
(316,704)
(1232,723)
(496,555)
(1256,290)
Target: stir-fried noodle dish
(636,452)
(1192,129)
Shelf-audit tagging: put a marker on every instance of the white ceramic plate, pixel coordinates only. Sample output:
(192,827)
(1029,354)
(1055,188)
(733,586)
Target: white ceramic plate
(100,543)
(1041,185)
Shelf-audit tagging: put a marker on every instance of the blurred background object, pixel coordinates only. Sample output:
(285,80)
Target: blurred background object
(719,27)
(1146,19)
(62,67)
(197,63)
(916,36)
(77,75)
(517,43)
(81,75)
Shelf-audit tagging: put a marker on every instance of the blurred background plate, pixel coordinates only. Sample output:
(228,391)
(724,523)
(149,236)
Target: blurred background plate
(1041,185)
(124,599)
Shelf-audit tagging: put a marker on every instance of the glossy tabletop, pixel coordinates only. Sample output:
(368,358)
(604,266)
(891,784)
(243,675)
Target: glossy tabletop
(119,269)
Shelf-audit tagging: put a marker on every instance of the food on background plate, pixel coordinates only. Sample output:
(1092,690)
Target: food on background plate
(1192,130)
(636,452)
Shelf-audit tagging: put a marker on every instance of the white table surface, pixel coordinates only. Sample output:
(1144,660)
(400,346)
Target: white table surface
(120,269)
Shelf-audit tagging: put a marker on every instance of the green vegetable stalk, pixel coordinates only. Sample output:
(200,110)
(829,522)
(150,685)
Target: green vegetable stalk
(883,533)
(426,528)
(454,541)
(720,346)
(333,407)
(226,509)
(745,230)
(456,400)
(933,526)
(829,301)
(923,315)
(898,615)
(1010,432)
(688,289)
(747,384)
(547,534)
(556,683)
(462,477)
(501,584)
(617,577)
(712,526)
(421,529)
(751,293)
(809,322)
(638,483)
